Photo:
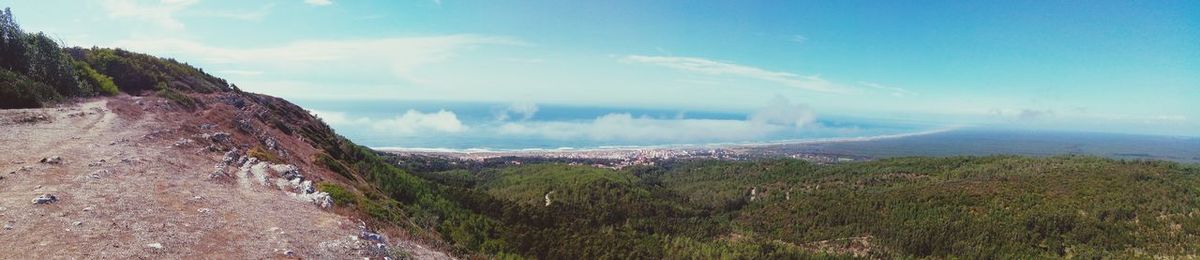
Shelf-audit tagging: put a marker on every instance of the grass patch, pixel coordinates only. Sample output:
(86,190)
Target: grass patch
(340,195)
(334,165)
(263,154)
(177,97)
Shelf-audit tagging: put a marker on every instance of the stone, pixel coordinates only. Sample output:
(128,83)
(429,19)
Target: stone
(45,199)
(218,137)
(52,160)
(77,223)
(8,226)
(155,245)
(371,236)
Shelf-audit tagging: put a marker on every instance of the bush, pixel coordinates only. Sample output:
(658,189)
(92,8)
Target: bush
(263,155)
(103,84)
(18,91)
(179,98)
(340,196)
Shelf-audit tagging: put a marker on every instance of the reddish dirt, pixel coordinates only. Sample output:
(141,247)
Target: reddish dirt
(129,186)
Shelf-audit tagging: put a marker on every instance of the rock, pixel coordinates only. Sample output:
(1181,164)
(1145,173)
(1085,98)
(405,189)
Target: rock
(98,173)
(207,126)
(87,209)
(371,236)
(244,126)
(183,142)
(45,199)
(306,187)
(218,137)
(52,160)
(8,226)
(271,143)
(155,245)
(292,174)
(204,210)
(77,223)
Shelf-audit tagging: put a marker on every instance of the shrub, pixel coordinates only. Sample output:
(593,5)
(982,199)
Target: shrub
(264,155)
(103,83)
(179,98)
(17,91)
(340,195)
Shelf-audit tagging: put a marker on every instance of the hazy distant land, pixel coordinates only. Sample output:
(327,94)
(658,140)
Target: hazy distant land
(970,141)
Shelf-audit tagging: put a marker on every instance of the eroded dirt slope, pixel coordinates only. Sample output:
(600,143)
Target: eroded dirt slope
(130,181)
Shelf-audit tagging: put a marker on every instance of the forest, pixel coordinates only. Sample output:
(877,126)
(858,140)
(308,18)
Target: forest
(973,207)
(36,71)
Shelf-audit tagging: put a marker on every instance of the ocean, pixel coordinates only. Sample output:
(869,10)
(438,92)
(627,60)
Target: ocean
(474,126)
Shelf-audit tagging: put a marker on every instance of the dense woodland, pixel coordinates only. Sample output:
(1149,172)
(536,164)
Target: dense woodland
(975,207)
(969,207)
(35,71)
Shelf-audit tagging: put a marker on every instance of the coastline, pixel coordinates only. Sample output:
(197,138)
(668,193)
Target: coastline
(654,151)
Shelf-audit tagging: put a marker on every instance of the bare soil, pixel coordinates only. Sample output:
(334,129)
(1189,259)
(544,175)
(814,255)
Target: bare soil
(130,186)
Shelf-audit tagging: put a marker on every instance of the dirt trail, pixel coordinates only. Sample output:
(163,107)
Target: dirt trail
(125,189)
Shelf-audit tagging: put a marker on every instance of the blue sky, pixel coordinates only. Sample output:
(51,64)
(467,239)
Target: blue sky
(1114,66)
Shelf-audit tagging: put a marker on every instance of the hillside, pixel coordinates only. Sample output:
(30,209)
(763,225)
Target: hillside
(976,207)
(169,161)
(110,153)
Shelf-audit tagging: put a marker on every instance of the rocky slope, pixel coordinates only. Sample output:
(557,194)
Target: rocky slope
(229,174)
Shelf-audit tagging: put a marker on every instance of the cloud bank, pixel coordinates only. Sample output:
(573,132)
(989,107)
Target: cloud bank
(161,13)
(779,115)
(398,55)
(518,110)
(410,123)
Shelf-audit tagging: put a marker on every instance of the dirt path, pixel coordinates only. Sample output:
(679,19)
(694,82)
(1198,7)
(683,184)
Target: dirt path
(125,190)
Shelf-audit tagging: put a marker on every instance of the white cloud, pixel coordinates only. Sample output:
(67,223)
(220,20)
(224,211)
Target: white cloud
(161,13)
(781,111)
(243,15)
(318,2)
(1024,114)
(523,110)
(398,55)
(412,121)
(409,123)
(798,38)
(625,127)
(780,115)
(705,66)
(338,118)
(895,91)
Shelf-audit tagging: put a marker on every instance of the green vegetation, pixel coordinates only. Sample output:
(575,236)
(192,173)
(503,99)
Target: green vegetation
(35,71)
(264,155)
(103,84)
(976,207)
(19,91)
(137,73)
(957,207)
(340,196)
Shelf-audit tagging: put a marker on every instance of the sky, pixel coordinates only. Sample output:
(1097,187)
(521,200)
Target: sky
(1107,66)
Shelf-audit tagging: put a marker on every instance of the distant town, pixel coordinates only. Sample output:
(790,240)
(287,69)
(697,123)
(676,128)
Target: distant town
(621,158)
